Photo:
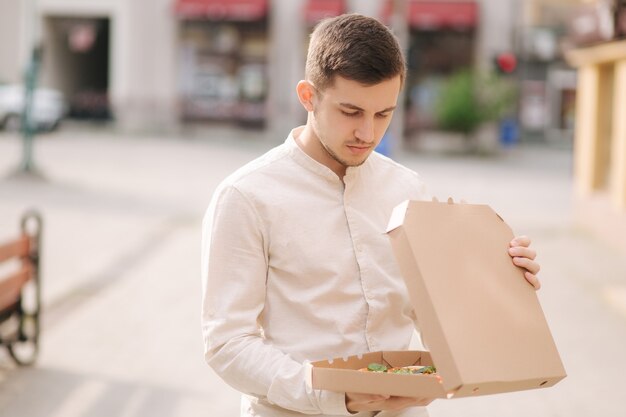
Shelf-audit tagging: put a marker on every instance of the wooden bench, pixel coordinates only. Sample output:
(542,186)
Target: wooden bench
(20,291)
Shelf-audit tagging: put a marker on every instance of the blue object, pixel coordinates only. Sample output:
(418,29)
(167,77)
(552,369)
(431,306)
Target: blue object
(509,132)
(384,147)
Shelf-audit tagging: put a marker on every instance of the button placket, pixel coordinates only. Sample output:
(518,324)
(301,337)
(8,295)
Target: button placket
(359,253)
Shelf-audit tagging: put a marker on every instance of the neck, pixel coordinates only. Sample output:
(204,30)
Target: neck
(310,143)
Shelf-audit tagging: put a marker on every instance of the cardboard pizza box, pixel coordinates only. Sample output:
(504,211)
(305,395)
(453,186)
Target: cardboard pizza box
(479,317)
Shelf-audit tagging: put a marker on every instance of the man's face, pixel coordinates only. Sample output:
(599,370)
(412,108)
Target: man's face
(350,119)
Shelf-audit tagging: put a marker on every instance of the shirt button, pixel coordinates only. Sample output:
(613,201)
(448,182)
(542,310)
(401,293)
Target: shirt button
(359,248)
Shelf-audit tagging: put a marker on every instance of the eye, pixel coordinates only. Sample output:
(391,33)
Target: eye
(382,115)
(350,114)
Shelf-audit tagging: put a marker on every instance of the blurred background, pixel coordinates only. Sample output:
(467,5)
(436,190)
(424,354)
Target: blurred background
(166,64)
(118,118)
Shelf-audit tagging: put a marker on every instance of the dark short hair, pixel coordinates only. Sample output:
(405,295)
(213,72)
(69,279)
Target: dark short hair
(355,47)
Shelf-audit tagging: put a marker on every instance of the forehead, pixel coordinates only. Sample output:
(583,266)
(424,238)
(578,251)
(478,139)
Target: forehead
(374,97)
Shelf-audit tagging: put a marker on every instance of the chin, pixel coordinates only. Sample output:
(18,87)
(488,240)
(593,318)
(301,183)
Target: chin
(356,163)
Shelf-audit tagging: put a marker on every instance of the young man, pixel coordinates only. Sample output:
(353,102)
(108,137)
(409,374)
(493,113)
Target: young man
(295,264)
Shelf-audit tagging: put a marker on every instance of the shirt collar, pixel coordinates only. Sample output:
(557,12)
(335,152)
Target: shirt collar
(303,159)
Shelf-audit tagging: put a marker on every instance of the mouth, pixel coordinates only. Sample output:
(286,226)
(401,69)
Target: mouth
(358,150)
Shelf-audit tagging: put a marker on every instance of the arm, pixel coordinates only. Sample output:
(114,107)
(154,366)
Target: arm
(234,273)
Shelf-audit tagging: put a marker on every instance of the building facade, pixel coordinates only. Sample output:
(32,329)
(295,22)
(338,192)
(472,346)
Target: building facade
(600,139)
(162,64)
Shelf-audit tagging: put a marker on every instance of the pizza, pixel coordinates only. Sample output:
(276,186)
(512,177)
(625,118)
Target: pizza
(408,370)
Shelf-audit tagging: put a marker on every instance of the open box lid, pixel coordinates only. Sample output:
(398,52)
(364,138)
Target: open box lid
(479,317)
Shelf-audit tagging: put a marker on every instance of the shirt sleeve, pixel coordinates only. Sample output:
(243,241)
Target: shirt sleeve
(234,273)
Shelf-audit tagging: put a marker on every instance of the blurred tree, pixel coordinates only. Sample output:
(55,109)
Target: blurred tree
(468,99)
(456,109)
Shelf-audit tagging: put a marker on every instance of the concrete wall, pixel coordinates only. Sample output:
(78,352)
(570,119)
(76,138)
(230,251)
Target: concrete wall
(150,64)
(498,20)
(286,65)
(13,36)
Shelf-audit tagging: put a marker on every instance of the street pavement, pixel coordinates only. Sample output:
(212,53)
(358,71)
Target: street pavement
(121,282)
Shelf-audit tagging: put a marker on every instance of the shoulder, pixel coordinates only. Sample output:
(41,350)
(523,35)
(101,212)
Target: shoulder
(257,175)
(382,162)
(236,194)
(263,165)
(256,182)
(389,170)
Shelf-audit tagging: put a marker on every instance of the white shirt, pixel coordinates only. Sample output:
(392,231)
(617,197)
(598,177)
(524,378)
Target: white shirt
(296,267)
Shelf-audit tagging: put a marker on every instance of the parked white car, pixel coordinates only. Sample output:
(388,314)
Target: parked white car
(49,107)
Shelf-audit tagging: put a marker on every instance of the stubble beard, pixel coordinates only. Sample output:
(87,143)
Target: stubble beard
(338,159)
(333,154)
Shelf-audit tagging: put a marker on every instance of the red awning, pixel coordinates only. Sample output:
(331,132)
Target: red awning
(433,15)
(317,10)
(239,10)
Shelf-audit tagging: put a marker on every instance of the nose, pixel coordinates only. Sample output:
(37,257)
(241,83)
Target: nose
(365,130)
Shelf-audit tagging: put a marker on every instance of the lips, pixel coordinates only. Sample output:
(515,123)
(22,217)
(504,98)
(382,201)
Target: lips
(358,150)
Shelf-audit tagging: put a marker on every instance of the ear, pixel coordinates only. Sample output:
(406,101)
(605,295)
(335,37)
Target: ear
(306,92)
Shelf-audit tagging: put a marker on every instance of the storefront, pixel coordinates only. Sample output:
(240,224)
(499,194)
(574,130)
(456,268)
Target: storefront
(442,40)
(80,63)
(223,68)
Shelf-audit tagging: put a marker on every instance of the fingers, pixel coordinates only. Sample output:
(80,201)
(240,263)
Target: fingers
(532,268)
(398,403)
(520,241)
(413,402)
(524,257)
(523,252)
(368,402)
(364,402)
(534,281)
(356,397)
(526,263)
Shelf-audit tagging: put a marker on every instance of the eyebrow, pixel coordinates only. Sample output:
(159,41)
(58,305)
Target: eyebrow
(353,107)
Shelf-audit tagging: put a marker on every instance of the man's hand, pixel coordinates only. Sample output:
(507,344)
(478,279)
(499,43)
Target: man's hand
(370,402)
(524,257)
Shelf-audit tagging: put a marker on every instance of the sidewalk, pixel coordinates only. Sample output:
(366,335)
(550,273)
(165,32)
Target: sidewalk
(121,276)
